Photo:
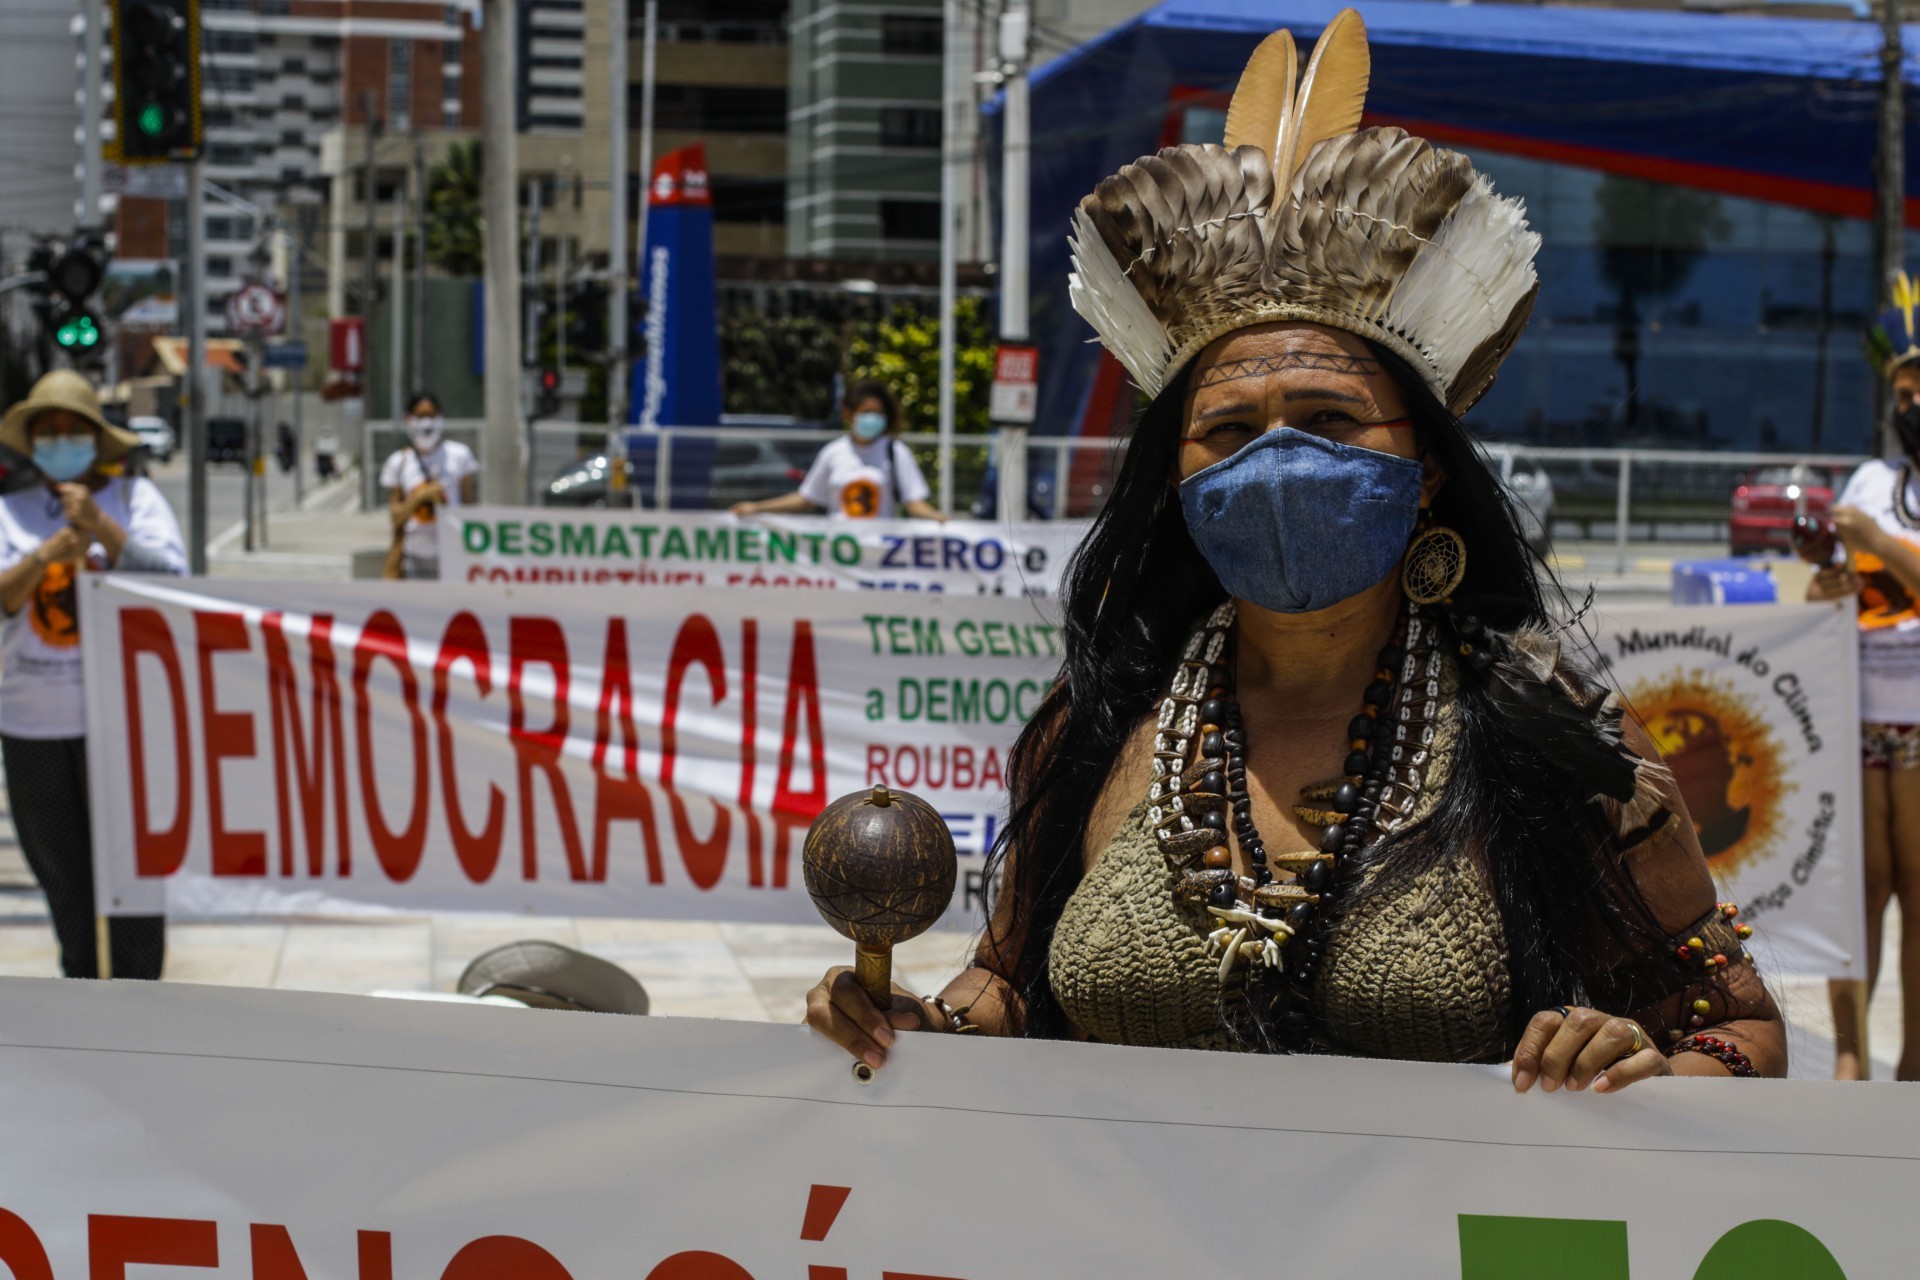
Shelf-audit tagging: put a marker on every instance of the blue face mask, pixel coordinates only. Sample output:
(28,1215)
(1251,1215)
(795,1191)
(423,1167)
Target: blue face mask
(63,458)
(1296,523)
(868,426)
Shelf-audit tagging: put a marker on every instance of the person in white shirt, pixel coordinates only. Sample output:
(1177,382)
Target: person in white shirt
(430,473)
(1877,520)
(866,474)
(87,517)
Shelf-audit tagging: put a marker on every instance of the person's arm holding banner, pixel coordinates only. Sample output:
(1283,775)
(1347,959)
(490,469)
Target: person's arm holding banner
(1714,1008)
(1862,533)
(787,504)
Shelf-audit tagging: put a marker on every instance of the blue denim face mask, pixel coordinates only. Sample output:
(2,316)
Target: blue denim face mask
(1296,523)
(63,458)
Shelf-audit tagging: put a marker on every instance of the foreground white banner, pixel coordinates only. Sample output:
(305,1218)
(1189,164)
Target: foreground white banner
(622,549)
(280,747)
(1756,708)
(279,1136)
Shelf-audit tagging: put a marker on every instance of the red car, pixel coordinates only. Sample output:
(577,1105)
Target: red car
(1766,502)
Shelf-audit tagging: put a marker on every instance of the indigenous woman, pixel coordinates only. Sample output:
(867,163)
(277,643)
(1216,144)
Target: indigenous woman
(1317,775)
(1877,518)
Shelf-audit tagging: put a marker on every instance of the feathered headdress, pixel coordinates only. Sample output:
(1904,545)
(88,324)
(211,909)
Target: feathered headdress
(1303,215)
(1891,342)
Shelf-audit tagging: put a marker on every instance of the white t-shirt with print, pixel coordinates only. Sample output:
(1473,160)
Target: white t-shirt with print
(41,694)
(448,462)
(1889,615)
(860,481)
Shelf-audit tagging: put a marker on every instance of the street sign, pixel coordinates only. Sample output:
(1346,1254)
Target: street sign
(286,355)
(347,343)
(255,309)
(157,181)
(1016,384)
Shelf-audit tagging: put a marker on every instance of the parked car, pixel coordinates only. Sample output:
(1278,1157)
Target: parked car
(227,440)
(1528,488)
(156,437)
(741,470)
(1767,500)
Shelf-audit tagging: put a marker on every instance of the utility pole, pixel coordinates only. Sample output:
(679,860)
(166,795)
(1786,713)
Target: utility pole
(618,340)
(560,304)
(1016,156)
(1890,210)
(369,195)
(949,238)
(419,310)
(296,378)
(503,447)
(90,111)
(396,308)
(532,338)
(195,383)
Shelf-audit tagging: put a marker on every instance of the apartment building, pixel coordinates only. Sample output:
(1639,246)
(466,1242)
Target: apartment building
(864,136)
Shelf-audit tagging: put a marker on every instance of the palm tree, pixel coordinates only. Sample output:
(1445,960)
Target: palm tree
(454,223)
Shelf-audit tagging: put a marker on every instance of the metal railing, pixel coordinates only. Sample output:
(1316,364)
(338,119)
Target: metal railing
(1617,496)
(711,468)
(1627,496)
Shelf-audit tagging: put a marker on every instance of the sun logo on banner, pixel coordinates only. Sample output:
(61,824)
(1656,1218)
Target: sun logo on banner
(1726,759)
(56,608)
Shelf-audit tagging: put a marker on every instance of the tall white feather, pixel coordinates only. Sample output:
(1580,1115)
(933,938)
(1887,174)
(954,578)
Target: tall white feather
(1463,285)
(1106,299)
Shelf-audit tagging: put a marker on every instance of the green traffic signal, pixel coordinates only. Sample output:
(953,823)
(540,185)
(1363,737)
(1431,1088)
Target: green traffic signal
(77,332)
(152,120)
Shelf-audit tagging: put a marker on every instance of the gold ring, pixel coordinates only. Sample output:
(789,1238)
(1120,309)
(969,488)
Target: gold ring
(1639,1042)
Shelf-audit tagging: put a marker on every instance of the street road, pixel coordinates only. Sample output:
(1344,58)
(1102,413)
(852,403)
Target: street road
(226,487)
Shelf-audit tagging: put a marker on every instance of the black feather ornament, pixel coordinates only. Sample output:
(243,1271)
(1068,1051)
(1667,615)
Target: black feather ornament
(1571,719)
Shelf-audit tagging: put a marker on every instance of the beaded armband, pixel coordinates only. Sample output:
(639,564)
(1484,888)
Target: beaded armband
(1715,941)
(956,1018)
(1720,1050)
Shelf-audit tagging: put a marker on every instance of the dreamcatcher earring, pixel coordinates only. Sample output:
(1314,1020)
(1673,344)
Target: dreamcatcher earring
(1435,565)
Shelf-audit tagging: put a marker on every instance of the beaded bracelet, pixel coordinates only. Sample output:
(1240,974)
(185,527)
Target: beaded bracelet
(956,1018)
(1720,1050)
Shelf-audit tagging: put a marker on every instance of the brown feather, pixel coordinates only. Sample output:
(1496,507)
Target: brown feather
(1263,101)
(1333,92)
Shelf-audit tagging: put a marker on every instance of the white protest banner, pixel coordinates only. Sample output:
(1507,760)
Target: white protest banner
(275,1136)
(437,746)
(615,549)
(1757,710)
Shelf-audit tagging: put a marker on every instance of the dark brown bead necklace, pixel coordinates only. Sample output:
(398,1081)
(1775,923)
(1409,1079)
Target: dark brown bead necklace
(1200,787)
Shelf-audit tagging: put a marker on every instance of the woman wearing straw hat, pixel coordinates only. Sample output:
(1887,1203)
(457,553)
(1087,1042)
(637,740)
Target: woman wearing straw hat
(88,515)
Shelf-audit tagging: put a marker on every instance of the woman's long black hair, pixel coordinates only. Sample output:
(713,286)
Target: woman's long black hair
(1132,593)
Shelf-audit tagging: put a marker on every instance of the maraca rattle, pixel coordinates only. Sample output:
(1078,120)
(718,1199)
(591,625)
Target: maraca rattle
(1813,539)
(880,866)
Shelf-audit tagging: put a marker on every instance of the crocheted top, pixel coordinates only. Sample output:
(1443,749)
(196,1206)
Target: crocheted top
(1418,974)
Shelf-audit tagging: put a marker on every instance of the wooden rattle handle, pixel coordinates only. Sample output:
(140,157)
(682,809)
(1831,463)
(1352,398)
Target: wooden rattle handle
(873,970)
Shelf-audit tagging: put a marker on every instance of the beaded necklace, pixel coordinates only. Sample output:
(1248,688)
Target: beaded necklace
(1199,786)
(1901,484)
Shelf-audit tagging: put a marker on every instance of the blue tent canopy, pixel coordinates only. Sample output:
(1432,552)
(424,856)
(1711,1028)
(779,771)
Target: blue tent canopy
(1774,109)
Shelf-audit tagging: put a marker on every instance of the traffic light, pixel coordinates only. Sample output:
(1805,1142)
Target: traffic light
(548,402)
(587,320)
(78,332)
(156,80)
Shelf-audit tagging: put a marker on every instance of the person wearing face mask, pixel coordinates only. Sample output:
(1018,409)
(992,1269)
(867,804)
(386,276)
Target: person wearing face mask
(1877,521)
(1320,773)
(87,516)
(430,473)
(865,474)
